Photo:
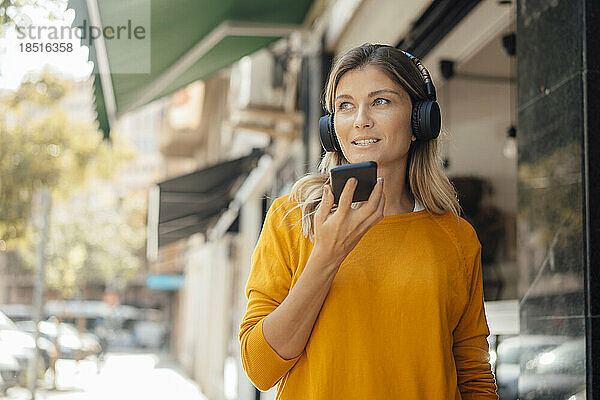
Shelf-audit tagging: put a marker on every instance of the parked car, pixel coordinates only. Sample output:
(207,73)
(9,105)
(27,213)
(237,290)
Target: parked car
(10,369)
(67,337)
(17,343)
(150,330)
(17,312)
(110,324)
(48,350)
(91,344)
(69,343)
(514,350)
(555,375)
(580,395)
(72,343)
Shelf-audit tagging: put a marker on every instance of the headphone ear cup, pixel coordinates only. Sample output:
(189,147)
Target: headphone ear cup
(327,134)
(426,119)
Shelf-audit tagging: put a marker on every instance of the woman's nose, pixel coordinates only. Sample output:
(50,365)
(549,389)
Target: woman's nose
(363,119)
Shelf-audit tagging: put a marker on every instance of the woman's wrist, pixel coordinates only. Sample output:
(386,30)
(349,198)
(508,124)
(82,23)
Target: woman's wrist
(324,259)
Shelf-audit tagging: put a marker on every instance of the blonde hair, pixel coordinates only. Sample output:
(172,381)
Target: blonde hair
(424,177)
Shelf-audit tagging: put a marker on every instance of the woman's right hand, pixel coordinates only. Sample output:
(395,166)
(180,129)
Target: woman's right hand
(288,327)
(338,232)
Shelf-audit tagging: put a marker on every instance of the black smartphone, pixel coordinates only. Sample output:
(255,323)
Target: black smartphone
(364,172)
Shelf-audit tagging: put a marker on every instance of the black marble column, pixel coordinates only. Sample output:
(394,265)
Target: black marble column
(558,225)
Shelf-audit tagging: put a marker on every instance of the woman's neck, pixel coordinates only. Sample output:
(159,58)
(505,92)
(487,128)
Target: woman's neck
(398,199)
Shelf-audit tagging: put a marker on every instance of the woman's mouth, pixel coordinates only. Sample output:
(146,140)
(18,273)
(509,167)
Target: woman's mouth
(364,142)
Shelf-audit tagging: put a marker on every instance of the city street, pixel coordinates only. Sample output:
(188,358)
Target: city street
(163,164)
(121,376)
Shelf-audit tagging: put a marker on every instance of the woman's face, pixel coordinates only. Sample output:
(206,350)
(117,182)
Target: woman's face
(372,118)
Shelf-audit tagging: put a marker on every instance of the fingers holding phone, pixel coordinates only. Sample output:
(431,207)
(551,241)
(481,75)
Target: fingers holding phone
(374,207)
(337,233)
(327,201)
(347,195)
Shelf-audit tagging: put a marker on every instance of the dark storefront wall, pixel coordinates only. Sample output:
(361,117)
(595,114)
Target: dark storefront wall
(557,65)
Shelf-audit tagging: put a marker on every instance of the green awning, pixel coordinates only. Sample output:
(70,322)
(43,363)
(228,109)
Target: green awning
(188,40)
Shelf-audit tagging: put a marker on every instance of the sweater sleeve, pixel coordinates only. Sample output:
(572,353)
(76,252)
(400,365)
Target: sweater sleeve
(470,348)
(268,285)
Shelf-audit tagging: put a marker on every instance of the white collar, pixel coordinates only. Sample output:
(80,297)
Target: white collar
(418,205)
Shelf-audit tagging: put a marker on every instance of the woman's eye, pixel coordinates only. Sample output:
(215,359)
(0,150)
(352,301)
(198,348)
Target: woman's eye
(380,101)
(344,105)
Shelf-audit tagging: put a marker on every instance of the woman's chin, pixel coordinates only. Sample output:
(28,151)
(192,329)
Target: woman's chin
(358,158)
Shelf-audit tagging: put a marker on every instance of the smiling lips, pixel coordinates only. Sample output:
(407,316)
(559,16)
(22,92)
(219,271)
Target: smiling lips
(364,142)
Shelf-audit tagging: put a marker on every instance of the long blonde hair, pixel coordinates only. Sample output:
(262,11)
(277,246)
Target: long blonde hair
(424,177)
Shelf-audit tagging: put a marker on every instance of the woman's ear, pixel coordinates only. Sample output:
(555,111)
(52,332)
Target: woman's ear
(413,138)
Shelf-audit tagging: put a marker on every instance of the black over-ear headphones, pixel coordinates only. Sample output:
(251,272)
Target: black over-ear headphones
(425,120)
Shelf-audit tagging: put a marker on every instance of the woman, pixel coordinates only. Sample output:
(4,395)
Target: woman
(378,300)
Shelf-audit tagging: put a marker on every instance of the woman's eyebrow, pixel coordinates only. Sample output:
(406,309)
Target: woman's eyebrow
(342,96)
(375,93)
(378,92)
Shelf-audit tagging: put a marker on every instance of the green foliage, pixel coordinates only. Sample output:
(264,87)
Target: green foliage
(13,13)
(96,239)
(94,235)
(40,146)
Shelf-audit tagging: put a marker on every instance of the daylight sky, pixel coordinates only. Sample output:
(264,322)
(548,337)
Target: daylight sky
(15,64)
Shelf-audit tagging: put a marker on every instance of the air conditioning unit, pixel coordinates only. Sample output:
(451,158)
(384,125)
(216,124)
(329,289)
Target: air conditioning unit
(257,98)
(252,82)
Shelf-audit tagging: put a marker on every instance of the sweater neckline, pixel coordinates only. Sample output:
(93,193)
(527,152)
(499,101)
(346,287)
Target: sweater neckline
(404,216)
(418,210)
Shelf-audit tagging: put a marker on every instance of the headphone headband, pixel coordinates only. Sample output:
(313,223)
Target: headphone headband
(425,74)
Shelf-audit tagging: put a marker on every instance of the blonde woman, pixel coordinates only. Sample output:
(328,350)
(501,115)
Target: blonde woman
(375,300)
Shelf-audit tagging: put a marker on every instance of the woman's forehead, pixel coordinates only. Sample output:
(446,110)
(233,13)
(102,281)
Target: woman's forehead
(367,79)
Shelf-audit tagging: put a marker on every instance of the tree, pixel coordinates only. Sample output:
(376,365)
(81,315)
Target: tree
(13,12)
(94,238)
(95,235)
(40,146)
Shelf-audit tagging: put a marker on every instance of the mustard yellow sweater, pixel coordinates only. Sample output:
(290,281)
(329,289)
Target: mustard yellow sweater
(403,319)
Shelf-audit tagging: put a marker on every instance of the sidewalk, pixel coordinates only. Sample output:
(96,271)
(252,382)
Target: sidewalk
(125,376)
